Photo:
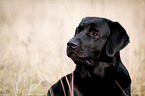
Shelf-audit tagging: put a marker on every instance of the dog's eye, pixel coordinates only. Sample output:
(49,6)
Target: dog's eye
(94,34)
(77,32)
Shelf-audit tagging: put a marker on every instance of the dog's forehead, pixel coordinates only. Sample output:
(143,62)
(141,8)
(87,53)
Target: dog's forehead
(99,22)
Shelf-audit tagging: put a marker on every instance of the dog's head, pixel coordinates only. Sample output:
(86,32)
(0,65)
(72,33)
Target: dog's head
(96,37)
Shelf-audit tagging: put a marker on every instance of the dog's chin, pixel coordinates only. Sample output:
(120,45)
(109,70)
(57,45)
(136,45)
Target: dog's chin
(81,60)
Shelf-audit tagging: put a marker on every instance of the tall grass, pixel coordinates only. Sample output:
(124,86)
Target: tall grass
(33,37)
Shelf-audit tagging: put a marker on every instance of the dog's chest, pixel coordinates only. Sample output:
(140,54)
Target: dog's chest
(108,88)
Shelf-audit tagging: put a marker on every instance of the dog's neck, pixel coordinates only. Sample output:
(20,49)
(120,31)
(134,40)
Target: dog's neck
(104,67)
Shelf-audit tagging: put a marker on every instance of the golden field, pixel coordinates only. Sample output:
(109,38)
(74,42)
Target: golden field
(34,33)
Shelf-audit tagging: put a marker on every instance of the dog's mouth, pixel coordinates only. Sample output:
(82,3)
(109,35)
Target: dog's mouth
(82,60)
(86,61)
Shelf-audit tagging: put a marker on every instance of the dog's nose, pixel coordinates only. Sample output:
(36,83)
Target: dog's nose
(72,44)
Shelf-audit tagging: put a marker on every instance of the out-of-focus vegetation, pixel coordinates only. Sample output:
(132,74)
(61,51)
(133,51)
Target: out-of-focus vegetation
(34,33)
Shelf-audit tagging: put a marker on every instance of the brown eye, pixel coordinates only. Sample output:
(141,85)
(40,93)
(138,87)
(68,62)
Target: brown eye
(95,34)
(77,32)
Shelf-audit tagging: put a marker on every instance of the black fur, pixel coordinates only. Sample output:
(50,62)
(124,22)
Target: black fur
(95,51)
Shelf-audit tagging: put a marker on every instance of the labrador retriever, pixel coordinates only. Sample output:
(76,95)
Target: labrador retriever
(95,49)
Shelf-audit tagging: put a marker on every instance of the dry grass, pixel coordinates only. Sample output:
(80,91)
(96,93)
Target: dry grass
(33,37)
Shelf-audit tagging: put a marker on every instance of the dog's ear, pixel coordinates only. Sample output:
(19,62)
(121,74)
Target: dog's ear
(117,40)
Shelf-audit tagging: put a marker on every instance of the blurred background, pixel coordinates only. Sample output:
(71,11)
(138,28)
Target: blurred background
(34,33)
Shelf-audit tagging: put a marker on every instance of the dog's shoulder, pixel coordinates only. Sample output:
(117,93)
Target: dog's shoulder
(61,87)
(122,76)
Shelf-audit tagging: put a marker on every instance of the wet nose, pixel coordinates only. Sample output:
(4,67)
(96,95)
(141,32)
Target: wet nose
(72,44)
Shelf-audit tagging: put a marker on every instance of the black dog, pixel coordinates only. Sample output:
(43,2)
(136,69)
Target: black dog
(99,70)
